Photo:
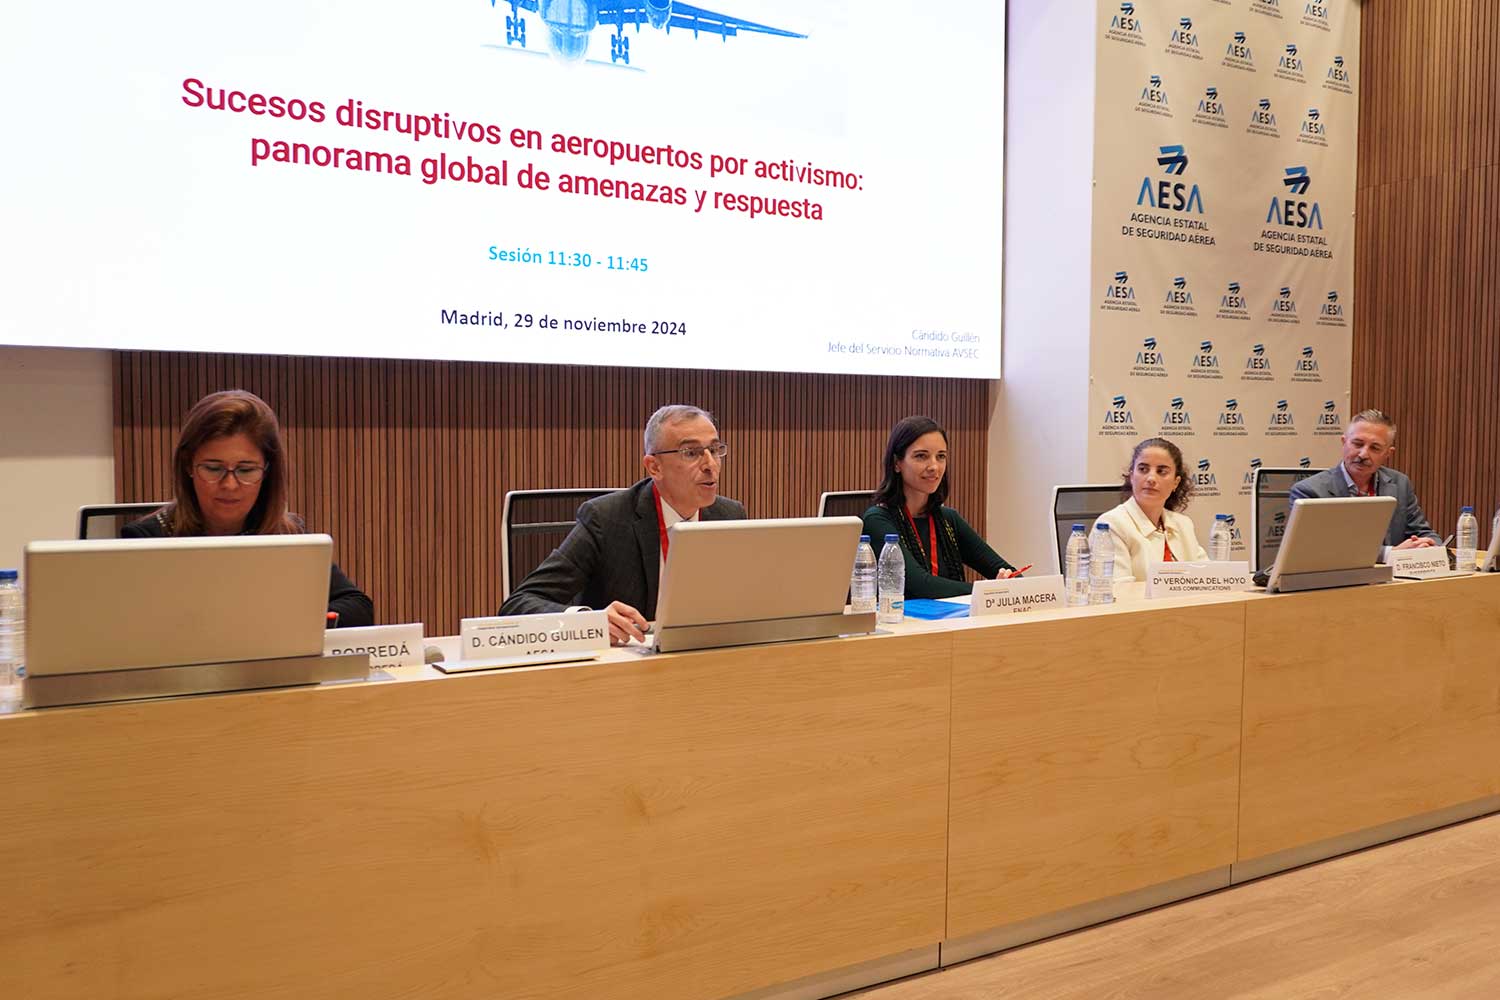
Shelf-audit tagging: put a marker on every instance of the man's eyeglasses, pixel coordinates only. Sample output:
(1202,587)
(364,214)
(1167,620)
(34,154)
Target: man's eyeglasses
(693,452)
(216,472)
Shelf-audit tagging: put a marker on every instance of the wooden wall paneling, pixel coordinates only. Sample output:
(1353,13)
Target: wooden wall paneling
(1426,329)
(406,463)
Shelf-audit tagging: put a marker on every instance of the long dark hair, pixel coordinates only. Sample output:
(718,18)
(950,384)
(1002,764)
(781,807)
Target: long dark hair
(891,495)
(1179,498)
(225,414)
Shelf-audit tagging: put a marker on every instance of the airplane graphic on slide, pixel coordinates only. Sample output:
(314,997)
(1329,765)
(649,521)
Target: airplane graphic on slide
(571,22)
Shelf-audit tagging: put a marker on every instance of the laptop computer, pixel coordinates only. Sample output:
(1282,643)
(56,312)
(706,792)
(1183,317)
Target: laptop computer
(788,573)
(104,605)
(1332,542)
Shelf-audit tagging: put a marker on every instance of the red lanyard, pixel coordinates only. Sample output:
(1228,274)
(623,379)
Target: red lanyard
(661,522)
(1166,552)
(931,536)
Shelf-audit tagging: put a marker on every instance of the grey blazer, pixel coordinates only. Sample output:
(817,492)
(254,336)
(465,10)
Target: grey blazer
(613,553)
(1406,522)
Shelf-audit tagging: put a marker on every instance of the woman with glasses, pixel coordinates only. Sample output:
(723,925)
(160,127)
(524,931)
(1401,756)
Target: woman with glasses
(230,478)
(936,542)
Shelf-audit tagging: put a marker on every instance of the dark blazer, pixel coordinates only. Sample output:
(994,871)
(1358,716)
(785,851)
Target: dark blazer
(1408,520)
(613,553)
(354,607)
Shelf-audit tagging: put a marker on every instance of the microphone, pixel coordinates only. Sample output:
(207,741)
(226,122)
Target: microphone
(432,654)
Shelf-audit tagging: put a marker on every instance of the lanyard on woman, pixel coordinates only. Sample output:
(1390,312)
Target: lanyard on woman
(931,537)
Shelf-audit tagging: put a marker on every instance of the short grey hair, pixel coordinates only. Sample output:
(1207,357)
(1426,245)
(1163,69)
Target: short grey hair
(1374,416)
(672,413)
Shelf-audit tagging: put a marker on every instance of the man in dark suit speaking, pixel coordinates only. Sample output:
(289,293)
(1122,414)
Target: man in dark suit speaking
(1369,441)
(613,557)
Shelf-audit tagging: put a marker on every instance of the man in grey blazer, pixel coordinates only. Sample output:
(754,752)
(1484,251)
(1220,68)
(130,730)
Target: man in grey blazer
(613,557)
(1369,441)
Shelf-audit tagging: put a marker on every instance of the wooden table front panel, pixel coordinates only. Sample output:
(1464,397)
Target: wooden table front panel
(1367,706)
(1092,756)
(683,826)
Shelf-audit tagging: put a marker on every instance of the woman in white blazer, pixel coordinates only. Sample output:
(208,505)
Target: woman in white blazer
(1150,526)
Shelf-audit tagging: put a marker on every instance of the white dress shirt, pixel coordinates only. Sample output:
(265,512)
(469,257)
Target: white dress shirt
(1138,542)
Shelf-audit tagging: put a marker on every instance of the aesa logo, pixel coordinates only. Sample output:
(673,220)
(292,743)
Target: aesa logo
(1278,526)
(1284,307)
(1295,213)
(1289,66)
(1206,362)
(1210,110)
(1176,420)
(1315,15)
(1314,131)
(1169,195)
(1329,424)
(1232,304)
(1263,120)
(1125,26)
(1282,422)
(1150,362)
(1205,480)
(1305,368)
(1178,300)
(1247,483)
(1119,295)
(1270,8)
(1338,77)
(1118,420)
(1231,422)
(1304,462)
(1331,312)
(1257,366)
(1154,100)
(1237,54)
(1184,40)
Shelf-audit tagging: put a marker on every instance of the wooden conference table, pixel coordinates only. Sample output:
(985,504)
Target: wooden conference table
(724,823)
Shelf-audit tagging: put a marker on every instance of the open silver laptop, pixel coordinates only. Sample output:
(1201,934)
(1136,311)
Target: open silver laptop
(1490,563)
(730,583)
(121,610)
(1333,542)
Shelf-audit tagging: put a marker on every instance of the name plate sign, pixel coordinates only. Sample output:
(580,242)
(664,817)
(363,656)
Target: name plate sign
(1421,564)
(387,645)
(1017,597)
(525,636)
(1179,579)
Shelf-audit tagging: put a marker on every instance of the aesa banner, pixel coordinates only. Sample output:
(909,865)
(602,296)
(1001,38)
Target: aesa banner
(1223,238)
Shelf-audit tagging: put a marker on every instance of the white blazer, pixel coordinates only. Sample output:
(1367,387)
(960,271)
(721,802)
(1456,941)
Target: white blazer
(1138,541)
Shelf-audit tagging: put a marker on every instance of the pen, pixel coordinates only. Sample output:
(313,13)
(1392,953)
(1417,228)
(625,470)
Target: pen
(1017,572)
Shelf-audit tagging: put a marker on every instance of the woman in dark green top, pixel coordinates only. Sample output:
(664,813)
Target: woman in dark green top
(936,542)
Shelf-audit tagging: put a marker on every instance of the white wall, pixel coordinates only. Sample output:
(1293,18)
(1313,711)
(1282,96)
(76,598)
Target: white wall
(56,443)
(1039,429)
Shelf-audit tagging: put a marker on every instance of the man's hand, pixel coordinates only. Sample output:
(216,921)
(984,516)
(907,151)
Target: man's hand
(625,623)
(1416,542)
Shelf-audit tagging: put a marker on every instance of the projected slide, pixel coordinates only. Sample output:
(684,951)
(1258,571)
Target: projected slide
(775,185)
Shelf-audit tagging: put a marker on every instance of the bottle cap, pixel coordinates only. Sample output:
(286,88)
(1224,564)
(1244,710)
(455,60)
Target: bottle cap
(9,574)
(1077,526)
(891,537)
(1102,526)
(864,538)
(1221,517)
(1466,510)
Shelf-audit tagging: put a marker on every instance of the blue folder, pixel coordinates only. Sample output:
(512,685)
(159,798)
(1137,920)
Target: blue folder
(930,610)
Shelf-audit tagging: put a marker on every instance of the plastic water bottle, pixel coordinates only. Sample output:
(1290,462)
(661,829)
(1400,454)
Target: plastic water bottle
(1466,540)
(1219,539)
(862,583)
(892,573)
(1076,568)
(12,637)
(1102,566)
